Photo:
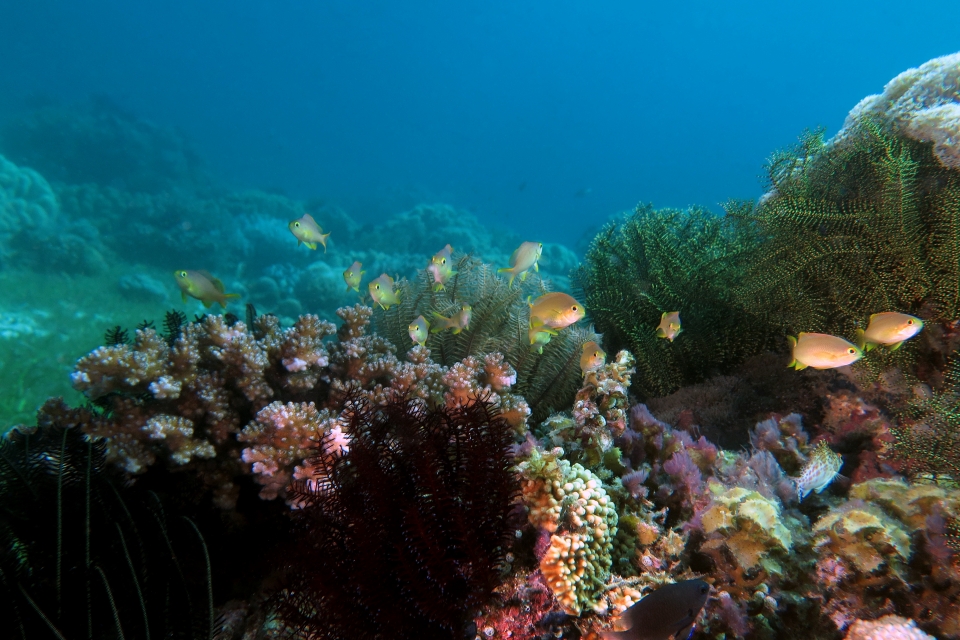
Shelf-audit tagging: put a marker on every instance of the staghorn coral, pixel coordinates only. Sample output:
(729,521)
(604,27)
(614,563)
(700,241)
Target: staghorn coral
(656,261)
(405,535)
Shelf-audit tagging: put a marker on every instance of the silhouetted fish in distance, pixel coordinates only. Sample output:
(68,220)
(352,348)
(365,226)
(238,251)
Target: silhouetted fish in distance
(669,611)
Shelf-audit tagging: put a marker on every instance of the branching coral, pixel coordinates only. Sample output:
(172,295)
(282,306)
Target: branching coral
(406,534)
(498,324)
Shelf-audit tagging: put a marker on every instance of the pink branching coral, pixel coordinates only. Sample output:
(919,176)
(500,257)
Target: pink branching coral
(259,399)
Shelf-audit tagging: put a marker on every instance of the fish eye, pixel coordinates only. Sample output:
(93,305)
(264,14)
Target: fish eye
(704,589)
(377,286)
(909,321)
(183,274)
(296,224)
(575,308)
(851,351)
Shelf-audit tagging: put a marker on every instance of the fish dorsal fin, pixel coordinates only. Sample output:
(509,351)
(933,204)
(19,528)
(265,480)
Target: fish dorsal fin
(801,334)
(309,218)
(873,315)
(663,315)
(218,285)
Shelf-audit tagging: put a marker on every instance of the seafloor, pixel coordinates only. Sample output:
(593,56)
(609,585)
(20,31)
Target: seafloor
(297,465)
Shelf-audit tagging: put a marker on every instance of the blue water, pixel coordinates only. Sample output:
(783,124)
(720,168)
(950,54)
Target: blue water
(544,116)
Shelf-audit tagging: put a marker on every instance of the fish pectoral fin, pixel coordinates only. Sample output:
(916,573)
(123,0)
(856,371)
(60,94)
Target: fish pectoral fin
(207,303)
(895,346)
(661,333)
(799,366)
(183,295)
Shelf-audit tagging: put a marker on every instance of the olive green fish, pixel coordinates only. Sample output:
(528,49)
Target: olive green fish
(353,276)
(308,232)
(458,321)
(382,291)
(524,258)
(669,326)
(419,330)
(202,286)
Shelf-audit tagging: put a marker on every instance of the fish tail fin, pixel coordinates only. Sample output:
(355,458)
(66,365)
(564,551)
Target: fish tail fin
(323,239)
(536,267)
(792,341)
(312,245)
(861,339)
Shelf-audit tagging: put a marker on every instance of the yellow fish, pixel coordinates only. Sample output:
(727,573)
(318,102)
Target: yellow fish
(523,259)
(202,286)
(419,330)
(540,337)
(890,329)
(308,232)
(458,321)
(382,292)
(823,466)
(592,357)
(353,275)
(669,326)
(554,311)
(441,267)
(822,351)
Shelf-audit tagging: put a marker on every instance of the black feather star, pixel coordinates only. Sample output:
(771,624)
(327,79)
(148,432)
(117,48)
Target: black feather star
(405,535)
(81,557)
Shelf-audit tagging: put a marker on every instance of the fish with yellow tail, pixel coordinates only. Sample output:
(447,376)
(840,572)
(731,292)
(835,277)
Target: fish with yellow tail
(823,466)
(592,357)
(554,311)
(889,328)
(353,276)
(669,326)
(419,330)
(457,322)
(441,267)
(540,337)
(822,351)
(524,258)
(202,286)
(668,612)
(308,232)
(383,293)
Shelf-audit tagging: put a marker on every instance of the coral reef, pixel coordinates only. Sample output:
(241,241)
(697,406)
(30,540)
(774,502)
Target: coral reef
(665,260)
(83,556)
(921,103)
(498,324)
(406,534)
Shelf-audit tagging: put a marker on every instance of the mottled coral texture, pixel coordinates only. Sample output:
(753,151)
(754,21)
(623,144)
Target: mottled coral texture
(923,103)
(259,399)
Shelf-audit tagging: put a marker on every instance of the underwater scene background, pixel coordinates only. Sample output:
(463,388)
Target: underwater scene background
(488,320)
